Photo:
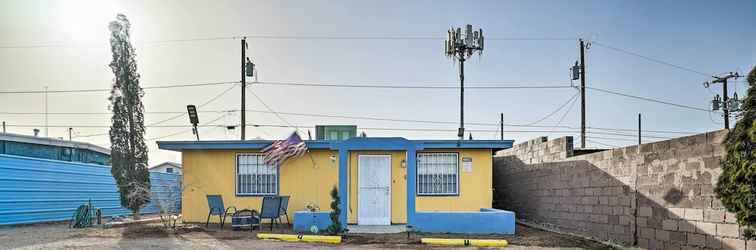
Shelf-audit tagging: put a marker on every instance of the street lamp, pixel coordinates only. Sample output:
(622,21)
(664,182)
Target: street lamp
(461,46)
(193,118)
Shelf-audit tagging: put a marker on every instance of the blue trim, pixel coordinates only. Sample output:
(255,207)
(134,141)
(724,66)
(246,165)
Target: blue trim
(248,144)
(411,184)
(343,185)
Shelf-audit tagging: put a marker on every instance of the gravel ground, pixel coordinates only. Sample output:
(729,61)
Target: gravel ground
(152,236)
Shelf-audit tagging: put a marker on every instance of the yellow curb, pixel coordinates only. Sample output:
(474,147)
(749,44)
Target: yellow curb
(464,242)
(302,238)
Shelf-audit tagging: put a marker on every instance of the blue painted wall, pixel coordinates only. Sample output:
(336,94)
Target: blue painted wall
(487,221)
(39,190)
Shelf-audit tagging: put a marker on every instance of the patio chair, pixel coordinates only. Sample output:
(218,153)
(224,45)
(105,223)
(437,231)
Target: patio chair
(271,209)
(216,207)
(284,208)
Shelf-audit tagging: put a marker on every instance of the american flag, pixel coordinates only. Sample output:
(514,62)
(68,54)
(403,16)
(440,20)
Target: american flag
(282,150)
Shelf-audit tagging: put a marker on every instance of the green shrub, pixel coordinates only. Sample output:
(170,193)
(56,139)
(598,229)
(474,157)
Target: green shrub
(736,187)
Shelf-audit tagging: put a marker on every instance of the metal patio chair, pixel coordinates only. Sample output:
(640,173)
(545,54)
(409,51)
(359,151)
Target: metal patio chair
(271,209)
(284,207)
(216,207)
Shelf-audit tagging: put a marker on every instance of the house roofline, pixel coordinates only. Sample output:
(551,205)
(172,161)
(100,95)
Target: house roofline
(52,142)
(174,164)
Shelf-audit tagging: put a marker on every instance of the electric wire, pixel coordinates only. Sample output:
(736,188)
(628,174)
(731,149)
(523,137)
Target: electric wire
(647,99)
(601,143)
(108,90)
(651,59)
(555,111)
(283,37)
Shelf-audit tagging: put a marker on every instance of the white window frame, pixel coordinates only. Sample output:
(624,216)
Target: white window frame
(259,164)
(421,170)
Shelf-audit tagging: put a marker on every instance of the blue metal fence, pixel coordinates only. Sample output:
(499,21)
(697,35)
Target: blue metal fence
(40,190)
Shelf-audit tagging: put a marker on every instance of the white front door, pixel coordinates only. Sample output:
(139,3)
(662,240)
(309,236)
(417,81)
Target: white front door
(374,193)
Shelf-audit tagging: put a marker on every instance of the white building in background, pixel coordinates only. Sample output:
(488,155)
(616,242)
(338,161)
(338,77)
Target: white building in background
(167,167)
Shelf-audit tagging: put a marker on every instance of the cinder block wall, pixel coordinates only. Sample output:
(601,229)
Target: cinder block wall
(656,196)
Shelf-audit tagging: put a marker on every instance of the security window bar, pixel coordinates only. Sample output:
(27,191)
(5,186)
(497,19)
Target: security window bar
(438,174)
(254,177)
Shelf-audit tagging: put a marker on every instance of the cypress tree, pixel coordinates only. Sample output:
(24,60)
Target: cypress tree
(736,187)
(335,227)
(127,147)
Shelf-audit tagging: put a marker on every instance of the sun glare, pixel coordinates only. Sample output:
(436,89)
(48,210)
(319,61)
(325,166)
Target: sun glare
(86,21)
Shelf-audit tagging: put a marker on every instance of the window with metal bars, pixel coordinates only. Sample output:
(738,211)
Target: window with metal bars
(254,177)
(437,174)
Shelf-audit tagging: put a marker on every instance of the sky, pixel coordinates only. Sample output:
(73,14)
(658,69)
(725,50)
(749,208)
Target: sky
(63,45)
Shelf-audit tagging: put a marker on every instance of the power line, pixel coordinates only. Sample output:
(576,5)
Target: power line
(572,104)
(411,86)
(648,99)
(364,128)
(371,118)
(282,37)
(651,59)
(270,109)
(555,111)
(302,84)
(108,90)
(201,105)
(601,143)
(186,131)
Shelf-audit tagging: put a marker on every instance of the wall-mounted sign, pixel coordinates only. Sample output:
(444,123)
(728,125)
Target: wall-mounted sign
(467,164)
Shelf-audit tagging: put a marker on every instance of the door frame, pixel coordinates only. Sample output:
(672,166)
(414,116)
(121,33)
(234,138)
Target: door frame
(390,181)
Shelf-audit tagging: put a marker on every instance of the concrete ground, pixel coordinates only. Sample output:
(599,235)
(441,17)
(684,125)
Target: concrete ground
(153,236)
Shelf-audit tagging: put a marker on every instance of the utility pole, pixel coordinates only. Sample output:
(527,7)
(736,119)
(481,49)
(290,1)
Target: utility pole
(501,126)
(3,127)
(461,45)
(582,94)
(243,88)
(726,105)
(639,128)
(47,134)
(461,131)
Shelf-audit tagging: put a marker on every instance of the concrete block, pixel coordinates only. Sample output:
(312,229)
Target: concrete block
(713,242)
(642,222)
(728,230)
(655,245)
(618,229)
(643,243)
(625,220)
(647,233)
(675,213)
(662,235)
(706,228)
(686,226)
(669,225)
(696,239)
(734,244)
(730,218)
(714,215)
(678,237)
(645,211)
(693,214)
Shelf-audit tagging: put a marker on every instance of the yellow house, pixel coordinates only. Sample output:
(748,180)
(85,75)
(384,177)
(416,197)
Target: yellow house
(430,185)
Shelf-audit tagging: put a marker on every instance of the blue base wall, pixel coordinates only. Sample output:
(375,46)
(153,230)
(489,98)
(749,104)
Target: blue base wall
(487,221)
(39,190)
(303,220)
